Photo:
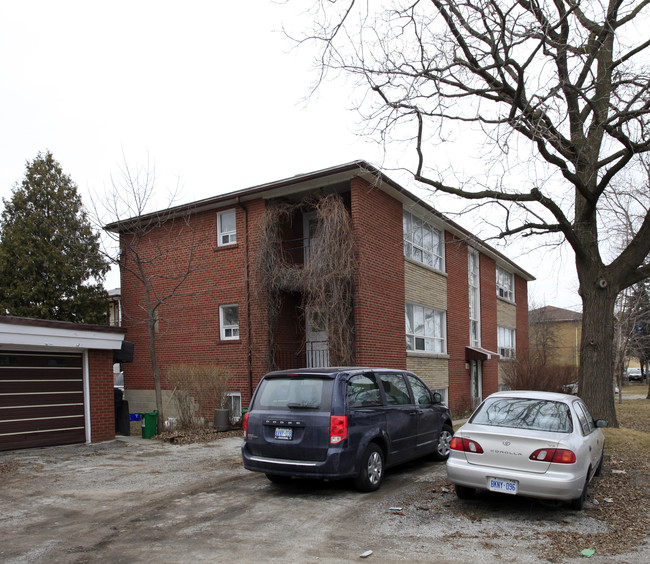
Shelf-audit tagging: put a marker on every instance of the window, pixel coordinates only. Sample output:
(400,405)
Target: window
(420,393)
(363,391)
(584,417)
(395,389)
(505,285)
(506,342)
(524,413)
(229,321)
(425,329)
(233,404)
(474,298)
(422,242)
(227,227)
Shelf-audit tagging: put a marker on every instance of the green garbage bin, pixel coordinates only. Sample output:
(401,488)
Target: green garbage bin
(149,424)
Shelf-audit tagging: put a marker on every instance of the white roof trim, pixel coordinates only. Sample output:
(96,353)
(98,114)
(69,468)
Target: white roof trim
(18,335)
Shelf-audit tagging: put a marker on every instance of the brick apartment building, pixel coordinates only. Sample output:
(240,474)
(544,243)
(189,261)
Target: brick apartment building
(281,278)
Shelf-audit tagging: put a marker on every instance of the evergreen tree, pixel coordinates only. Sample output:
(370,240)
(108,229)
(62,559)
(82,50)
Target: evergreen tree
(51,266)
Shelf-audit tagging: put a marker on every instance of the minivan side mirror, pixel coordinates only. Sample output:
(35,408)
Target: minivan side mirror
(437,398)
(602,423)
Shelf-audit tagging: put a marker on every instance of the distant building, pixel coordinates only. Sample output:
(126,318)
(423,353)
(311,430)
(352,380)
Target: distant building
(555,336)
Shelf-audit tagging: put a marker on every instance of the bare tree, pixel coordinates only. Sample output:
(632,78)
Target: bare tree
(559,93)
(144,241)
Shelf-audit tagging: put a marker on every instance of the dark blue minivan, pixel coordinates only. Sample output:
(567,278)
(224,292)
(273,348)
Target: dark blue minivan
(342,423)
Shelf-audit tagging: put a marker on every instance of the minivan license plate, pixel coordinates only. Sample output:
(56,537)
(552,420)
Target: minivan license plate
(284,433)
(503,486)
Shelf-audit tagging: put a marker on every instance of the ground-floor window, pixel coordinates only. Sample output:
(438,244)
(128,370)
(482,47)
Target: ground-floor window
(425,329)
(229,321)
(506,342)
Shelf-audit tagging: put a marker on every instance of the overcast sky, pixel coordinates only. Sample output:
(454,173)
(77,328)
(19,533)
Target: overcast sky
(211,92)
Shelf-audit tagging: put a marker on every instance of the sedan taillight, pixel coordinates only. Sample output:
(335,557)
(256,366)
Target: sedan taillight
(560,455)
(338,429)
(465,445)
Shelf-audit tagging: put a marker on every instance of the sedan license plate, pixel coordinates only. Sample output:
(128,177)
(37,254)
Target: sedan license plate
(503,486)
(284,433)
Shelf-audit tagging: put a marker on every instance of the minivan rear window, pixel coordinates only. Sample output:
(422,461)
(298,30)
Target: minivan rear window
(282,394)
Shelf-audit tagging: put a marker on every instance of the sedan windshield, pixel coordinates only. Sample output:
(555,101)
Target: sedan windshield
(523,413)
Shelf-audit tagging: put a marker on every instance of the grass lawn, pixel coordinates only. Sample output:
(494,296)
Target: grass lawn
(632,438)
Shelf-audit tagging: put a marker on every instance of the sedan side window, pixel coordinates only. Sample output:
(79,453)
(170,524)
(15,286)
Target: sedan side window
(363,391)
(395,389)
(421,393)
(585,418)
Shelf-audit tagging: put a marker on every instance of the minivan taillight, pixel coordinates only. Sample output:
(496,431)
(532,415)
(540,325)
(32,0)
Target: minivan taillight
(338,429)
(245,424)
(465,445)
(560,455)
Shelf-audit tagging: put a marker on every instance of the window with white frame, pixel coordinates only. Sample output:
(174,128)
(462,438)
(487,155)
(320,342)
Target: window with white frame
(422,242)
(474,298)
(425,329)
(233,404)
(505,284)
(229,321)
(506,342)
(227,227)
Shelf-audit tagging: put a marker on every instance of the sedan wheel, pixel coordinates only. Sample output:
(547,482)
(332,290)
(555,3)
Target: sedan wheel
(371,471)
(442,448)
(579,502)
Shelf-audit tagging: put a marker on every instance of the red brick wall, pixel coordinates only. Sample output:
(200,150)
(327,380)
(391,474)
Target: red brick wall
(189,321)
(489,323)
(102,406)
(521,298)
(457,321)
(379,283)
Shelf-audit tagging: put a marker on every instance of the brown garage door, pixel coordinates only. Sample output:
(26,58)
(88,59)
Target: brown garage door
(41,399)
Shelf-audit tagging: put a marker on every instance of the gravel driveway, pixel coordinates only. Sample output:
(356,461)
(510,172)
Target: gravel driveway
(133,500)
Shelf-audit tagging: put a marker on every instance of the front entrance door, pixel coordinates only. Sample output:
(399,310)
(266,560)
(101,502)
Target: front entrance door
(476,382)
(316,345)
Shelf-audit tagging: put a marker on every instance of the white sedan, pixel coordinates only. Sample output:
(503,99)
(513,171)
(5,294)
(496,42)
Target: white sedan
(535,444)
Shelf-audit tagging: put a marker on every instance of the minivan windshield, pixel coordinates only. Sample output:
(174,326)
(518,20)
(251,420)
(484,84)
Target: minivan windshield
(294,392)
(524,413)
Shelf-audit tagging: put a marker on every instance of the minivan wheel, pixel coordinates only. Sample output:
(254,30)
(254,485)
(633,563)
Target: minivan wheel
(442,448)
(371,472)
(278,479)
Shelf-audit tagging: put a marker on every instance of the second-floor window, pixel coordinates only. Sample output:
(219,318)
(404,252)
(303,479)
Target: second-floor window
(505,284)
(422,242)
(227,227)
(506,342)
(425,329)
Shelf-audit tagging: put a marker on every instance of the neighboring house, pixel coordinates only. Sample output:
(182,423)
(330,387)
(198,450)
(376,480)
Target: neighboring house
(56,382)
(115,307)
(555,335)
(286,280)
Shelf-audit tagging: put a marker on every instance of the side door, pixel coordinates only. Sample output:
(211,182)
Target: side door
(401,417)
(366,415)
(593,439)
(429,416)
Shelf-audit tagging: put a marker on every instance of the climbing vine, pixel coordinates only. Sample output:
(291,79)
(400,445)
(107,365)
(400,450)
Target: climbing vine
(324,281)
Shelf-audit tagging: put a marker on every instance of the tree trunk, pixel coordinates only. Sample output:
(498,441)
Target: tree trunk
(595,382)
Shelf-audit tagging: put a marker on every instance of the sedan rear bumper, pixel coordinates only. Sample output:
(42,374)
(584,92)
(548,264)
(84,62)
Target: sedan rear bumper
(553,484)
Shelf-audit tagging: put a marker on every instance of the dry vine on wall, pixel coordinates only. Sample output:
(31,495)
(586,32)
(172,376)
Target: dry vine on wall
(325,282)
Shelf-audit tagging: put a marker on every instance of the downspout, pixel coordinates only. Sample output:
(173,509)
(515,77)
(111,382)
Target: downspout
(249,347)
